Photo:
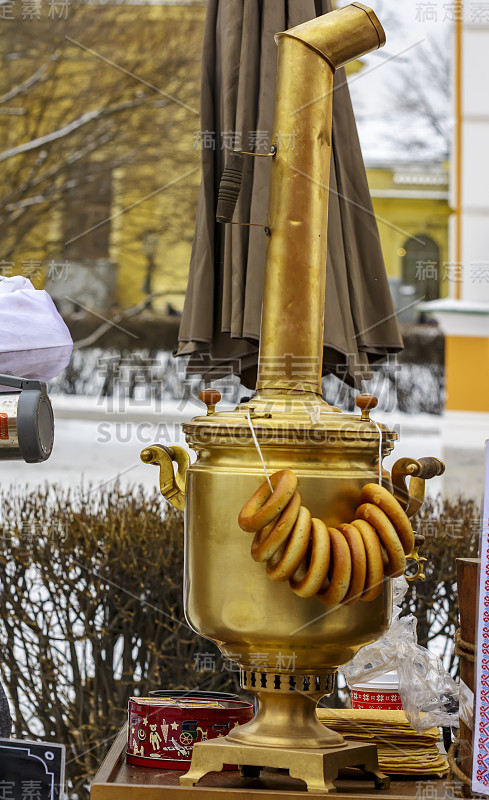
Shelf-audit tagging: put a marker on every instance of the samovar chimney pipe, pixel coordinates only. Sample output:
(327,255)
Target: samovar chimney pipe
(291,339)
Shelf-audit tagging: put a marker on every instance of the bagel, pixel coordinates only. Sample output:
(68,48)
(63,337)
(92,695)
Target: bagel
(358,563)
(340,571)
(375,564)
(269,539)
(264,506)
(388,536)
(339,564)
(381,497)
(307,580)
(294,552)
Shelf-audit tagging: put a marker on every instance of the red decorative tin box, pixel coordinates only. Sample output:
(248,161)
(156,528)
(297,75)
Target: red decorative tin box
(163,730)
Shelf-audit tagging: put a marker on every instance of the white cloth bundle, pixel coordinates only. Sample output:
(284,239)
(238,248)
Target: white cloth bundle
(34,340)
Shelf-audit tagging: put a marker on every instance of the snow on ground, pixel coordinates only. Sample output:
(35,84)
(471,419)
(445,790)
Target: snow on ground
(95,443)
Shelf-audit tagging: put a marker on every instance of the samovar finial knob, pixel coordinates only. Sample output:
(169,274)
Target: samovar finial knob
(365,402)
(211,398)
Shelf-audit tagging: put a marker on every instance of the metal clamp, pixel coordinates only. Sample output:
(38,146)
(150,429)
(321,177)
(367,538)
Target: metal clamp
(230,186)
(420,562)
(172,483)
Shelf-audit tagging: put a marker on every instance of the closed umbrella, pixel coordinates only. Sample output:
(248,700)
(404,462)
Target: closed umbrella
(220,324)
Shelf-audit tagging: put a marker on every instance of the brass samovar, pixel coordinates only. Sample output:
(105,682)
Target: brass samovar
(288,647)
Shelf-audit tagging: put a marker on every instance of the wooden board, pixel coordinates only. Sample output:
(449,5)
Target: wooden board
(117,780)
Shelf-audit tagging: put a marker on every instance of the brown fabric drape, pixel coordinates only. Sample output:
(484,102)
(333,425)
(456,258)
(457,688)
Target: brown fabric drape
(221,319)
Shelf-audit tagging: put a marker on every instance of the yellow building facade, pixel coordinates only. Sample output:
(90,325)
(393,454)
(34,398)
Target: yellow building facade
(412,212)
(411,207)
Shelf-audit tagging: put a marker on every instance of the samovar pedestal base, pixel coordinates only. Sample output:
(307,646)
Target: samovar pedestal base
(318,768)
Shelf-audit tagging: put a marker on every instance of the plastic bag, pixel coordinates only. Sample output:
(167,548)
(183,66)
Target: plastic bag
(429,694)
(381,656)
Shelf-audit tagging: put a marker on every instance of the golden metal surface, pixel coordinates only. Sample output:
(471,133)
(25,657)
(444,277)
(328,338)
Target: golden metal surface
(341,36)
(286,715)
(411,497)
(291,338)
(228,596)
(268,629)
(419,574)
(172,484)
(318,768)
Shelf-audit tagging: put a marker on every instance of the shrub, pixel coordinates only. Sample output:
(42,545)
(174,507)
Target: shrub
(452,530)
(93,613)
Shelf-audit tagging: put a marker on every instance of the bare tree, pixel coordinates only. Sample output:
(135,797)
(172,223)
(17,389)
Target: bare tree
(110,88)
(422,92)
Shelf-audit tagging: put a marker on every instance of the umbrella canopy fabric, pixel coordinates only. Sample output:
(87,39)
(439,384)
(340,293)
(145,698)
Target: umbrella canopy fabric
(220,325)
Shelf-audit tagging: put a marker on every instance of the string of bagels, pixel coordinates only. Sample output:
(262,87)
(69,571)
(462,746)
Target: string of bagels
(340,565)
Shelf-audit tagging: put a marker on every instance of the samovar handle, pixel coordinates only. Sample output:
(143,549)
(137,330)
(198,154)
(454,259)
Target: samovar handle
(418,470)
(411,498)
(172,483)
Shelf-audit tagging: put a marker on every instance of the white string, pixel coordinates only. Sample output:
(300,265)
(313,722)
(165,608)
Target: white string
(258,448)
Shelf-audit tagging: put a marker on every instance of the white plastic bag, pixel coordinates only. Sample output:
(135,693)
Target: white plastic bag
(429,694)
(34,340)
(381,656)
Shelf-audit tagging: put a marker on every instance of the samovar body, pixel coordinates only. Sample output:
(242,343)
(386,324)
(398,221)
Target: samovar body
(229,598)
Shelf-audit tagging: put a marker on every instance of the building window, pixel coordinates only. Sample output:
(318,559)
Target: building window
(86,213)
(420,268)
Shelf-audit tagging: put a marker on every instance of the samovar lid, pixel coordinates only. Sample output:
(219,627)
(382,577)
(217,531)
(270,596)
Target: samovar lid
(282,418)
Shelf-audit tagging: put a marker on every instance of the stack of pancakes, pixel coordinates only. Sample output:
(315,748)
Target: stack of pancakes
(401,750)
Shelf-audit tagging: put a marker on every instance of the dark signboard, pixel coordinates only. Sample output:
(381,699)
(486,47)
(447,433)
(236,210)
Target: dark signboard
(31,770)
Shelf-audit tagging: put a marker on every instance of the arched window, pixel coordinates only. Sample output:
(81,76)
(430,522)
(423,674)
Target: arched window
(421,268)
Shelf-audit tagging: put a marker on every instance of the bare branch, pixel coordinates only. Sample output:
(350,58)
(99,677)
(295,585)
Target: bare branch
(90,340)
(21,88)
(84,119)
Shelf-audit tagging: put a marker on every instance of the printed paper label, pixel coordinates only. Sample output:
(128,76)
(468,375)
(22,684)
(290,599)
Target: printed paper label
(3,425)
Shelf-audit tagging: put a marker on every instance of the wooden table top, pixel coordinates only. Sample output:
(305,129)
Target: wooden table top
(118,780)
